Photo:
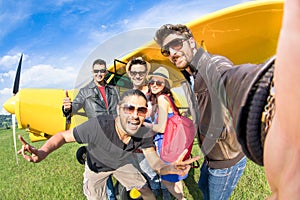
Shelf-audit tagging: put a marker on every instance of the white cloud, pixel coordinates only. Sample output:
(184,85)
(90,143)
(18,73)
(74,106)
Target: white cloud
(10,61)
(6,91)
(7,76)
(40,76)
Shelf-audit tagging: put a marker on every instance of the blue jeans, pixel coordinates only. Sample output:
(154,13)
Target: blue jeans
(110,191)
(218,184)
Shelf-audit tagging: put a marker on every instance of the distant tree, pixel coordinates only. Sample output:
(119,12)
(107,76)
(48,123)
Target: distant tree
(5,121)
(5,125)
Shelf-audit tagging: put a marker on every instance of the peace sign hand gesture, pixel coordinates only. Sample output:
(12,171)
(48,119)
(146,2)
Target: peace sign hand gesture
(35,155)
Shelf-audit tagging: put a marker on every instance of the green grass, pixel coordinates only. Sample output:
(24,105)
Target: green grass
(60,175)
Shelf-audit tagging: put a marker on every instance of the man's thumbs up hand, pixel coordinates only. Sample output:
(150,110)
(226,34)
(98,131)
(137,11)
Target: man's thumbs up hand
(67,102)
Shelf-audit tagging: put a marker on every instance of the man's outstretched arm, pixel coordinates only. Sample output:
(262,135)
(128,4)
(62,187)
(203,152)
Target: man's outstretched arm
(282,167)
(55,142)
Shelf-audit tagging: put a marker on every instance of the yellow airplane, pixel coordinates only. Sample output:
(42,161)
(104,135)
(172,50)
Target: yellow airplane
(245,33)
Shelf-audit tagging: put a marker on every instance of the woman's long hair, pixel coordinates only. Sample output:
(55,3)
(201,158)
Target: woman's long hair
(153,97)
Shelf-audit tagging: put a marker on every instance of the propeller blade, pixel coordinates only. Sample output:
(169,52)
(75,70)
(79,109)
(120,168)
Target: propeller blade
(17,78)
(13,119)
(15,91)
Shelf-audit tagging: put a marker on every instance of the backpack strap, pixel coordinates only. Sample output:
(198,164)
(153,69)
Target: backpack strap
(174,107)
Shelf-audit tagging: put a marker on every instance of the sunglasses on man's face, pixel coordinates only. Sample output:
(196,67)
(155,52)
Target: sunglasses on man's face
(175,44)
(134,73)
(129,109)
(157,83)
(96,71)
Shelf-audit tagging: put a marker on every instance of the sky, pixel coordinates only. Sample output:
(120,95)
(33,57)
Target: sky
(57,38)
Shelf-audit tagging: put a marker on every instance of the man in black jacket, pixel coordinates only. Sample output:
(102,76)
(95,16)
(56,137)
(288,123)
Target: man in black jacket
(96,98)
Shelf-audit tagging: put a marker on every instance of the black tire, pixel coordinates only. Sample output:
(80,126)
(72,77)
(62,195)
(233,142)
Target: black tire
(81,154)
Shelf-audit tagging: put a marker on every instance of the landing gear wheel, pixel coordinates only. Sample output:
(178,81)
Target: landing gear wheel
(81,155)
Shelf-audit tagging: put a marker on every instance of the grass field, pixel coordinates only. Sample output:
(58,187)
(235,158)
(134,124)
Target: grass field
(60,175)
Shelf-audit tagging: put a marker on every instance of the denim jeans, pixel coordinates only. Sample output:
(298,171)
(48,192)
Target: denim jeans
(110,191)
(218,184)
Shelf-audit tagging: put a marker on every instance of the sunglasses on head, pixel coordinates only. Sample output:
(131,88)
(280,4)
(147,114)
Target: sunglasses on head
(138,61)
(134,73)
(129,109)
(96,71)
(175,44)
(158,83)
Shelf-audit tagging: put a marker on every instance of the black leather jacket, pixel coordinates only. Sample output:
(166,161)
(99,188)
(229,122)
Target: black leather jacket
(90,99)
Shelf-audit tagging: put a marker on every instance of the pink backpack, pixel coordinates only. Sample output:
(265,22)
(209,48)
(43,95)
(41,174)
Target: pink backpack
(178,136)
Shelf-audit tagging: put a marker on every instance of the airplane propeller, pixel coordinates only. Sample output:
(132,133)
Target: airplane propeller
(15,91)
(17,78)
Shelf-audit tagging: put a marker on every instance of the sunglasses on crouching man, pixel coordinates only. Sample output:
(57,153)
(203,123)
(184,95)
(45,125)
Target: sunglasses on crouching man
(129,109)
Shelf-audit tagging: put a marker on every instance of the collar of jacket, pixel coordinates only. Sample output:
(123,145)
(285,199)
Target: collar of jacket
(195,60)
(92,84)
(192,65)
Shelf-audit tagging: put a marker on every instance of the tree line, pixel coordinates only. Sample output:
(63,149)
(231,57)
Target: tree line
(5,121)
